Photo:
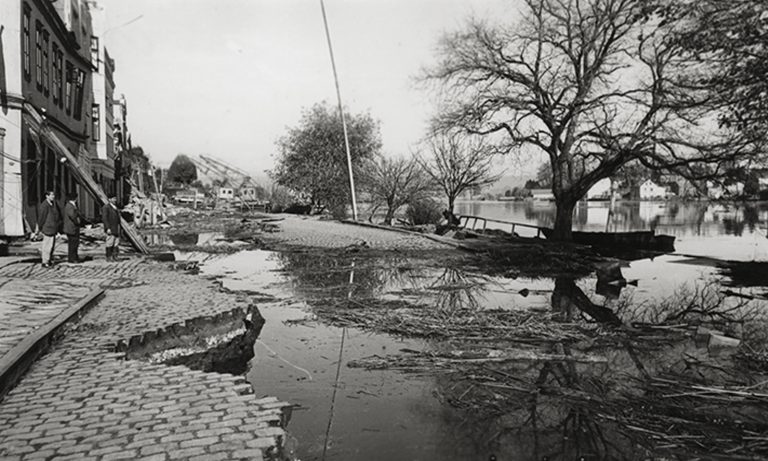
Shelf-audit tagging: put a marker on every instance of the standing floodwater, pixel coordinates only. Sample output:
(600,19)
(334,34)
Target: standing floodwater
(468,365)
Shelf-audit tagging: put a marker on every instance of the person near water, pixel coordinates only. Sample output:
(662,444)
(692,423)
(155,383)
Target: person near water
(72,224)
(110,216)
(48,222)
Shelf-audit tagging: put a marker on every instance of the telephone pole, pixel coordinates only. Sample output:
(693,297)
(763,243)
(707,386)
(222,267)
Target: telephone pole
(341,113)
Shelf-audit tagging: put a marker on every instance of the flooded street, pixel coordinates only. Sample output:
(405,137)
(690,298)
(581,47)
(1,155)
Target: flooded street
(350,413)
(370,386)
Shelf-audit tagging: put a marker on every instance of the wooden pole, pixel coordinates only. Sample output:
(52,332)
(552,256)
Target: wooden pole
(341,112)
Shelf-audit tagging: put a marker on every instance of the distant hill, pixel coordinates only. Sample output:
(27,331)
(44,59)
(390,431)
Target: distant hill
(506,182)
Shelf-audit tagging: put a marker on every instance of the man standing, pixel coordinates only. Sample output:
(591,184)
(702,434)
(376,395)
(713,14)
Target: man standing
(72,227)
(110,215)
(48,221)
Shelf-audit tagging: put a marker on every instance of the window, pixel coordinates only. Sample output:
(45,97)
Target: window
(96,122)
(39,56)
(25,43)
(69,76)
(46,64)
(95,52)
(79,93)
(56,57)
(75,20)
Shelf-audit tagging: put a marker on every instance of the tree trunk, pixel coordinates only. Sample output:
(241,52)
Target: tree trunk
(389,216)
(564,220)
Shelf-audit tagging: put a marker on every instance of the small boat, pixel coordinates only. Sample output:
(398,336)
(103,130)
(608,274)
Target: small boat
(641,240)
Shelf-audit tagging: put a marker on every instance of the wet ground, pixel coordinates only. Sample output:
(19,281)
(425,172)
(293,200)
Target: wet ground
(393,351)
(377,353)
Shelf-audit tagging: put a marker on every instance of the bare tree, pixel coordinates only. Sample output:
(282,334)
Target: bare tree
(394,182)
(457,162)
(591,84)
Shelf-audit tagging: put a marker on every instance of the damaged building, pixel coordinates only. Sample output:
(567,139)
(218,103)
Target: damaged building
(52,68)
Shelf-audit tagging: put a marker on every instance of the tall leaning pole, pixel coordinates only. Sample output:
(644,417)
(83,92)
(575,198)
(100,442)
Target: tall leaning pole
(341,112)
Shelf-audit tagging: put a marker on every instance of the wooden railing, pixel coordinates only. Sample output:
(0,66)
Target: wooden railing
(465,220)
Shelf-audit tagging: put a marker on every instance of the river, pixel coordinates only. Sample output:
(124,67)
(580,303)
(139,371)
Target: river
(722,230)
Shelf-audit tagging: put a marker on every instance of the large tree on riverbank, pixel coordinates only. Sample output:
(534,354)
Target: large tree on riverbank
(592,84)
(312,158)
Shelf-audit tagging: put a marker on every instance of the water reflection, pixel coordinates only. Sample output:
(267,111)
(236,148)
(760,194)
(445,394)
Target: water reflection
(675,218)
(558,374)
(639,402)
(449,286)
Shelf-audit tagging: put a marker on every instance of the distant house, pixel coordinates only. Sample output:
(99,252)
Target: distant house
(225,193)
(190,195)
(542,194)
(252,193)
(649,190)
(601,190)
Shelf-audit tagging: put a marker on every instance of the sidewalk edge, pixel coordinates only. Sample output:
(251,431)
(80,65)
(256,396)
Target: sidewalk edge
(434,238)
(15,362)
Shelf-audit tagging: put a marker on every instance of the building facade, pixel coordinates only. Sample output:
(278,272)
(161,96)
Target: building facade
(102,119)
(649,190)
(43,68)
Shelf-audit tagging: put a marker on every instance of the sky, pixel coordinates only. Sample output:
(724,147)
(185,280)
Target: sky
(227,78)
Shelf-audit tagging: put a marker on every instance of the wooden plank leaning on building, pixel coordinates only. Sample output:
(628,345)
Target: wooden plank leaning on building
(94,189)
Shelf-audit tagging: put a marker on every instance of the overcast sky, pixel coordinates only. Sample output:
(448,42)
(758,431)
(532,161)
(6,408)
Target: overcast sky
(226,78)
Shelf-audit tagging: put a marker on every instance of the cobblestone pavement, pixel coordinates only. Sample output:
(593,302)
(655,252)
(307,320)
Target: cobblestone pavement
(26,305)
(299,231)
(84,401)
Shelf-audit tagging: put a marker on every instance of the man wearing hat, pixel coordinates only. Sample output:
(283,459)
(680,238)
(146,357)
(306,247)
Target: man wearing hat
(48,222)
(110,215)
(72,227)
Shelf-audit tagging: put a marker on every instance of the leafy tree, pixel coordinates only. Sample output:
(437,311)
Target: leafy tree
(312,158)
(729,39)
(393,183)
(531,184)
(182,170)
(590,84)
(457,163)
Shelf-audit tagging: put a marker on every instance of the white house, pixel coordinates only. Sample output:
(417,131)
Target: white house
(542,194)
(649,190)
(225,193)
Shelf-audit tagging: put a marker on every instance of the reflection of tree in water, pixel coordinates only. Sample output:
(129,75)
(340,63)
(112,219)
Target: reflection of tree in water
(359,277)
(741,218)
(641,402)
(542,214)
(319,275)
(456,289)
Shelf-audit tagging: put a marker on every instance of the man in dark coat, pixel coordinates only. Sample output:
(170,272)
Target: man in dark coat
(72,227)
(48,222)
(110,216)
